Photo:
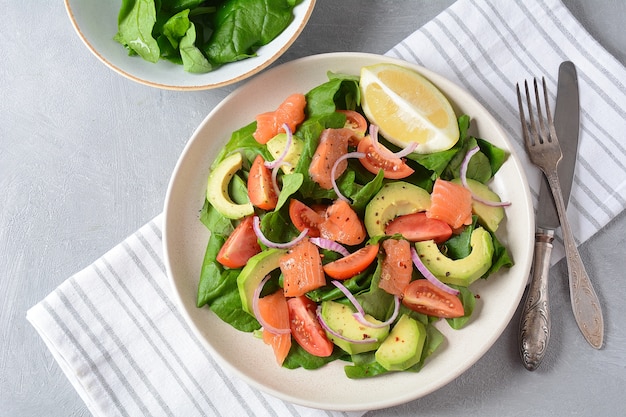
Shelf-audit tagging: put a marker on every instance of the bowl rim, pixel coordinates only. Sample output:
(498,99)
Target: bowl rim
(523,264)
(196,87)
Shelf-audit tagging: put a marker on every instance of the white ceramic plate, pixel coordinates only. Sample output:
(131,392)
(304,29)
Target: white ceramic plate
(95,21)
(185,241)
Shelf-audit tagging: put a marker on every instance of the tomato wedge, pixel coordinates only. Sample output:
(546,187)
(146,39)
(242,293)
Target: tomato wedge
(355,122)
(303,216)
(397,266)
(273,308)
(261,190)
(394,168)
(417,227)
(241,245)
(423,297)
(302,269)
(305,328)
(342,224)
(353,264)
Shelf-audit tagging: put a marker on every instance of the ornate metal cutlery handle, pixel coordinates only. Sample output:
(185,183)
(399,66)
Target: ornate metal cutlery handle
(534,332)
(585,303)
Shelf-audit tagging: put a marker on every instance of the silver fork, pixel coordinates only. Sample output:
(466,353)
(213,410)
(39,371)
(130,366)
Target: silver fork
(542,146)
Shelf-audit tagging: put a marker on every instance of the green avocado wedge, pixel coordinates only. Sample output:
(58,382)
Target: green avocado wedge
(253,273)
(217,188)
(462,271)
(403,347)
(394,199)
(339,317)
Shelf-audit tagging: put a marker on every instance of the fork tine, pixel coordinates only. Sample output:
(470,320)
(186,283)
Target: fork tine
(542,128)
(525,134)
(552,136)
(534,133)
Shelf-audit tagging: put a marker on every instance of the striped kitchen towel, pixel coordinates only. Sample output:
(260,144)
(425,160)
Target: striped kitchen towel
(114,328)
(487,47)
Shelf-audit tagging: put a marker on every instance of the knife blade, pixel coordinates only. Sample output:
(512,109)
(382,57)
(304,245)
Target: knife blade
(534,333)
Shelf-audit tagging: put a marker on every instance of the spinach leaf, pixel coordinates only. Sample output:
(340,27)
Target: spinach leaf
(176,27)
(210,275)
(200,34)
(299,357)
(218,289)
(469,301)
(339,92)
(458,246)
(495,155)
(291,184)
(501,257)
(135,22)
(215,221)
(180,5)
(377,302)
(244,25)
(193,59)
(226,303)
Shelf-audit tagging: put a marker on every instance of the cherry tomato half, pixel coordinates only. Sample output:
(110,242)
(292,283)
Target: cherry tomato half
(417,227)
(355,122)
(424,297)
(241,245)
(305,328)
(353,264)
(303,216)
(260,187)
(394,168)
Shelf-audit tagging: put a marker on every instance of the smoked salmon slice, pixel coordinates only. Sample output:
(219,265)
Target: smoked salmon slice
(451,203)
(342,224)
(332,145)
(290,111)
(302,269)
(274,310)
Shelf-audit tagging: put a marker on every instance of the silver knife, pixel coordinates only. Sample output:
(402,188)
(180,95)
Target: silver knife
(534,332)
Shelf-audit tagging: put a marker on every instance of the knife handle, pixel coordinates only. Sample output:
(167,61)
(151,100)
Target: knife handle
(534,332)
(585,302)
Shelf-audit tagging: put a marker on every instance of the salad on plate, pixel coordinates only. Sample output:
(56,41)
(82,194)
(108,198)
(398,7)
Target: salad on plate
(348,220)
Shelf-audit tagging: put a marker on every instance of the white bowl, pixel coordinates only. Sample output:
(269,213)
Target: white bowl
(185,241)
(95,21)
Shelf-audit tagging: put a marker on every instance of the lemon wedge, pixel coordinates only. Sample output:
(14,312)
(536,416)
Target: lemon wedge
(407,108)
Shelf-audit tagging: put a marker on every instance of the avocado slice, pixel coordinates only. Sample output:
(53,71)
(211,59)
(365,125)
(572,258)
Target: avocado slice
(459,271)
(394,199)
(488,216)
(253,273)
(403,347)
(277,145)
(217,188)
(339,317)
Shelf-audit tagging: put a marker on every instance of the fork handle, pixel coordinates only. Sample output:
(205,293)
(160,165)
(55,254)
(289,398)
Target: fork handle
(534,331)
(585,303)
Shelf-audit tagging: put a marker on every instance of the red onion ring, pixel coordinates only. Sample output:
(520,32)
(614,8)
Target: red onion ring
(386,153)
(257,312)
(278,161)
(318,314)
(463,175)
(275,176)
(256,225)
(333,170)
(360,313)
(330,245)
(429,275)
